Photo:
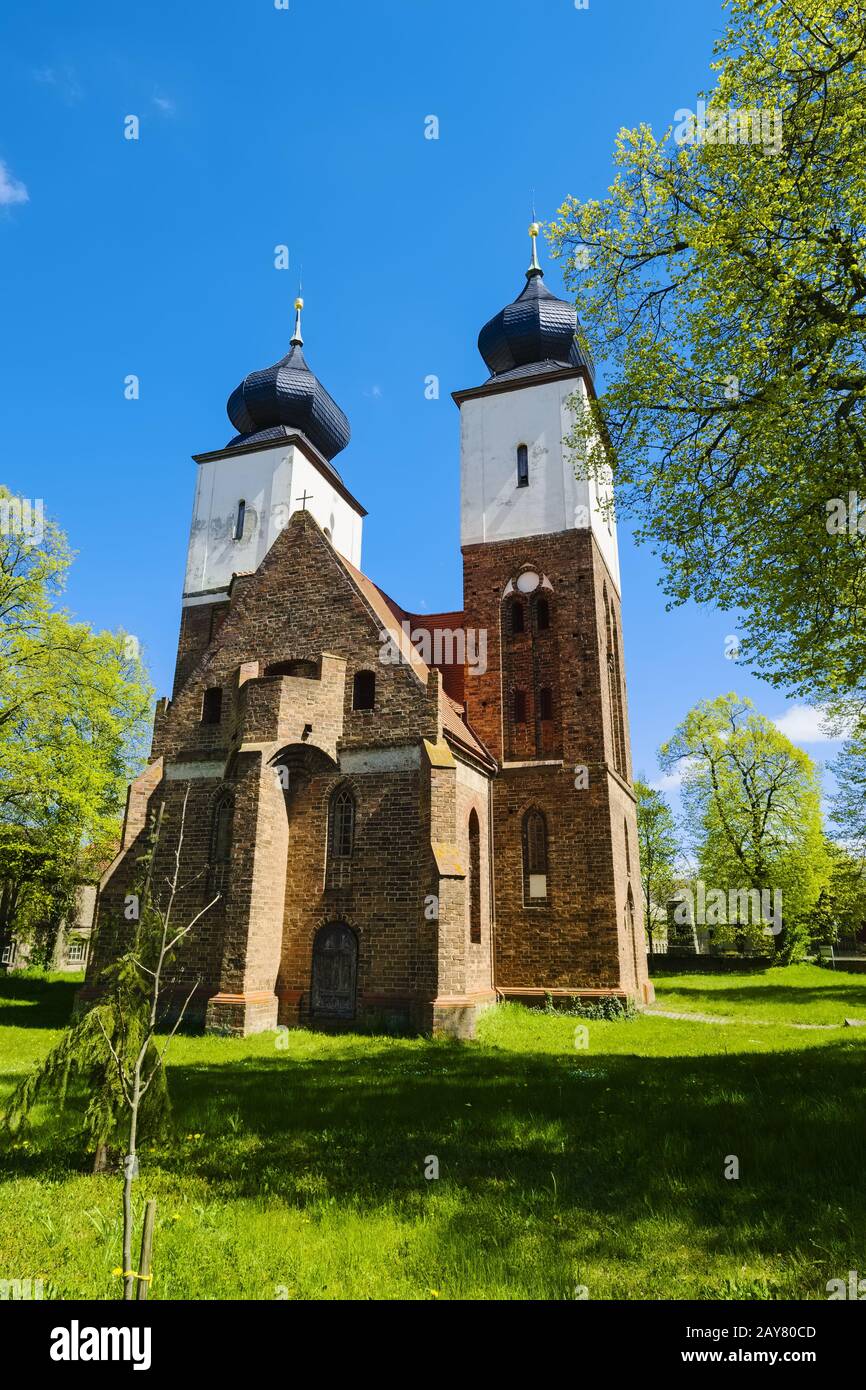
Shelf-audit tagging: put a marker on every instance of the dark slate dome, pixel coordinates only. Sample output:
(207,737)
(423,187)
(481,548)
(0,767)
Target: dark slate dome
(536,332)
(285,398)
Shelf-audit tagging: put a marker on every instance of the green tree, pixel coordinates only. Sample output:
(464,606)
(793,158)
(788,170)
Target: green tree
(658,845)
(111,1055)
(74,718)
(723,283)
(752,801)
(848,807)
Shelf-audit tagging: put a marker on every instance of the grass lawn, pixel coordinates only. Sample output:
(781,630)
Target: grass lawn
(792,994)
(298,1171)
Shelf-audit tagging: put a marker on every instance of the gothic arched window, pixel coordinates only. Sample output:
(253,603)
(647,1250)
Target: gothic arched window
(542,615)
(240,520)
(341,824)
(522,466)
(534,857)
(516,616)
(221,841)
(364,690)
(221,836)
(474,878)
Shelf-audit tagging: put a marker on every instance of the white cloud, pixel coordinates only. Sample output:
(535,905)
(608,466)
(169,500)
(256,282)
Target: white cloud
(669,781)
(11,190)
(806,724)
(165,105)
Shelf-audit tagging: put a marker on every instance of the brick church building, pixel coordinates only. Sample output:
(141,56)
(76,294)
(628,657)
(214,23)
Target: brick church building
(399,819)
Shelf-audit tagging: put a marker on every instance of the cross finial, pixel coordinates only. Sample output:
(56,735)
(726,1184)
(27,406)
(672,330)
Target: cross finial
(297,340)
(534,267)
(307,497)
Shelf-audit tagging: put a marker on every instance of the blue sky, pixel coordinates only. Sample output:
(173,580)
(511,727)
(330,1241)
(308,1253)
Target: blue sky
(305,127)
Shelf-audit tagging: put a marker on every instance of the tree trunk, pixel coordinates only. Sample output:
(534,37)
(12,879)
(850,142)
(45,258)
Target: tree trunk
(100,1159)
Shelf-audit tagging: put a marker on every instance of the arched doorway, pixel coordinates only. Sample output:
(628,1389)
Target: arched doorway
(335,972)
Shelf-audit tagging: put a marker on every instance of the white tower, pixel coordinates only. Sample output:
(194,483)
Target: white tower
(517,471)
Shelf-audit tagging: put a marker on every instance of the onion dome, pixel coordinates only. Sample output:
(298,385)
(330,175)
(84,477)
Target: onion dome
(537,333)
(286,399)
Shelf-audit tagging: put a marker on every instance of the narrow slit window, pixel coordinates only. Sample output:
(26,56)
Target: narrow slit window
(542,615)
(474,878)
(212,705)
(240,520)
(342,824)
(520,706)
(364,690)
(545,702)
(522,466)
(221,834)
(534,857)
(516,616)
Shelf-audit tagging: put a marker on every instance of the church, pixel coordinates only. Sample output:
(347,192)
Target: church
(392,820)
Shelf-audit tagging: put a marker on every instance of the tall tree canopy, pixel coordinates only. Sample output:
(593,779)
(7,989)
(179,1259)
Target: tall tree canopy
(74,718)
(724,285)
(753,802)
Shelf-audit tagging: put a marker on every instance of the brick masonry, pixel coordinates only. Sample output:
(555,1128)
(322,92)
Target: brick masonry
(423,946)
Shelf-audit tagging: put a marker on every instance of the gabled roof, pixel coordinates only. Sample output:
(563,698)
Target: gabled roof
(392,617)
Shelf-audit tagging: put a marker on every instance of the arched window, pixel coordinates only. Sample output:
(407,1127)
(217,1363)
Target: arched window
(545,702)
(534,857)
(240,520)
(364,690)
(221,842)
(474,878)
(341,824)
(522,466)
(617,674)
(627,847)
(516,615)
(520,706)
(542,615)
(631,931)
(613,689)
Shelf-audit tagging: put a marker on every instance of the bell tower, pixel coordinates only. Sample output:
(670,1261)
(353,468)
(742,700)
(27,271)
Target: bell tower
(541,578)
(289,430)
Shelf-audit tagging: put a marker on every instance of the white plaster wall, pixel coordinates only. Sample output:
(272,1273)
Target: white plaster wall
(270,480)
(493,507)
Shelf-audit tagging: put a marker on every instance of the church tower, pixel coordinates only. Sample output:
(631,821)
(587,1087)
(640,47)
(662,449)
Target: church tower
(289,430)
(541,579)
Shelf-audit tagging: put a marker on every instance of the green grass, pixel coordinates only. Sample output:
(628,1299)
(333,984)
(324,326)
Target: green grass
(300,1171)
(792,994)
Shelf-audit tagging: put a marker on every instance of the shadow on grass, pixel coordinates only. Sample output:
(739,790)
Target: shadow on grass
(598,1146)
(36,1003)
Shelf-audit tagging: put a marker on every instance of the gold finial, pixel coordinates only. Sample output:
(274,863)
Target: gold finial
(534,267)
(296,336)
